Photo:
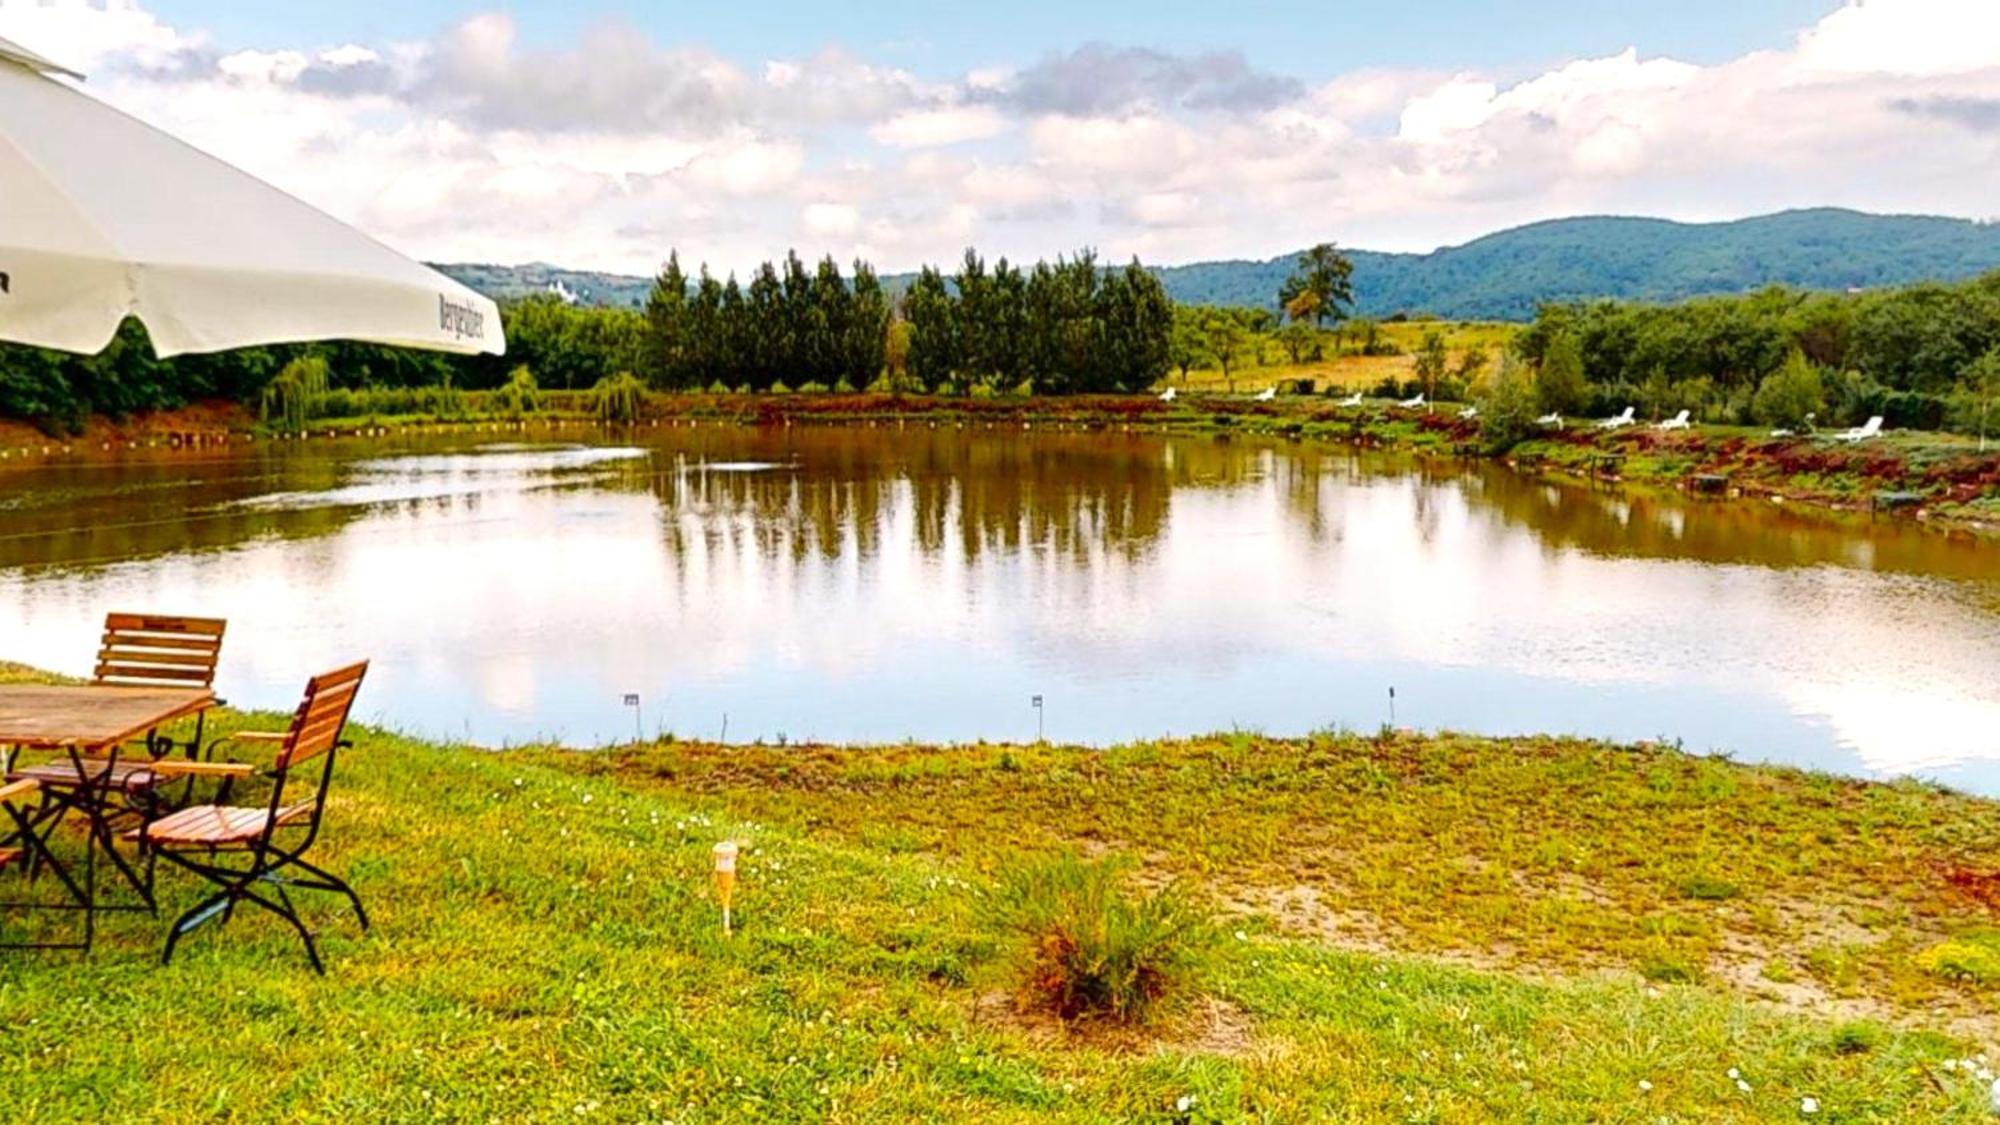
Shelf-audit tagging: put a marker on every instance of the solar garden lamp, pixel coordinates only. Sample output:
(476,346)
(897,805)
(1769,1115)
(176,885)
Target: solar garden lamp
(725,878)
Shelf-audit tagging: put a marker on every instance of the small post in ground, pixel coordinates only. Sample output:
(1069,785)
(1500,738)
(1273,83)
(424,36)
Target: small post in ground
(725,878)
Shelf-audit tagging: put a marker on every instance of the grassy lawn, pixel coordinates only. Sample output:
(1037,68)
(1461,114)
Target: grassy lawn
(1417,929)
(1353,371)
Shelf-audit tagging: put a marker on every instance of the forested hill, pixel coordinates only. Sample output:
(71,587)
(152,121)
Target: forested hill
(1505,275)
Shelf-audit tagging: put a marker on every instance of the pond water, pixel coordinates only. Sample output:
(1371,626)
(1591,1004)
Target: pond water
(872,584)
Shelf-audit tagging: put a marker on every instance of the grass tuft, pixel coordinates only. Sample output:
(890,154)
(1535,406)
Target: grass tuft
(1091,948)
(1972,956)
(1708,888)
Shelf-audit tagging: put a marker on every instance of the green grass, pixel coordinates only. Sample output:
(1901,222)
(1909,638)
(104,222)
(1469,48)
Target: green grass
(547,945)
(1530,852)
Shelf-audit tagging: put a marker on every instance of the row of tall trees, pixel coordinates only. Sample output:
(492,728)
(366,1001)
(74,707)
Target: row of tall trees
(1066,327)
(789,325)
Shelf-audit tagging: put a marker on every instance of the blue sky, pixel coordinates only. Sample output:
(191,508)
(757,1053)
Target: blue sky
(939,38)
(603,135)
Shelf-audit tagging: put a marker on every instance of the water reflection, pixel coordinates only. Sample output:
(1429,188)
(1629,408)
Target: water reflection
(924,582)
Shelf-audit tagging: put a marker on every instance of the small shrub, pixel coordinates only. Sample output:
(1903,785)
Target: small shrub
(1507,408)
(618,398)
(1708,888)
(1790,394)
(1856,1038)
(1972,957)
(1091,948)
(294,396)
(1560,385)
(520,396)
(1663,968)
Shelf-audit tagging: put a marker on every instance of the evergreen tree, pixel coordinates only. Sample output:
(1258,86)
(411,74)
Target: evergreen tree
(667,340)
(829,325)
(764,332)
(934,353)
(977,322)
(864,353)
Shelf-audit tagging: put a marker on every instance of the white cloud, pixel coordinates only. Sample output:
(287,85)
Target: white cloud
(479,144)
(85,34)
(1165,208)
(750,167)
(831,220)
(1918,37)
(929,128)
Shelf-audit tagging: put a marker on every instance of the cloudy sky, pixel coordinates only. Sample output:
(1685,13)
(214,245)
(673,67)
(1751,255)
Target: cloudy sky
(600,134)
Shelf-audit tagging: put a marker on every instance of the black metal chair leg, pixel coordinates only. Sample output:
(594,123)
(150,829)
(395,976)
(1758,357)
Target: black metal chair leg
(336,883)
(196,915)
(290,914)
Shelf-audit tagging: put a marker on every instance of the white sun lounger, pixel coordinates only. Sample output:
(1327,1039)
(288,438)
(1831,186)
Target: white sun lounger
(1863,433)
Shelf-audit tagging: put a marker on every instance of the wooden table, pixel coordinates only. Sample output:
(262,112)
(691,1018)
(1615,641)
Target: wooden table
(91,717)
(88,724)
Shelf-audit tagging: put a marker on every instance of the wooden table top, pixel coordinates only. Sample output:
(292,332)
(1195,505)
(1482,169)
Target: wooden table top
(91,716)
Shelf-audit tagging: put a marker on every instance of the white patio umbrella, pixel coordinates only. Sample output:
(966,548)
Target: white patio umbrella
(104,217)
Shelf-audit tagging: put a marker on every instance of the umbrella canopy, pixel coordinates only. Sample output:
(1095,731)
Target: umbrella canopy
(104,217)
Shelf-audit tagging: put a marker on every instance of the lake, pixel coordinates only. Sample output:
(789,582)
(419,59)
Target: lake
(878,584)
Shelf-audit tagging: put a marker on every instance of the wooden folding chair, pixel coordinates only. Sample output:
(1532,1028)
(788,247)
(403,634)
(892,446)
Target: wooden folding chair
(151,650)
(138,650)
(268,844)
(146,650)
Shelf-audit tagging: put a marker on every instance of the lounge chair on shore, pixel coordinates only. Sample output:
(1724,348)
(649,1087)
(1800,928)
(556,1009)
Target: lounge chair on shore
(1350,401)
(1617,421)
(1862,433)
(1469,413)
(1266,395)
(1553,420)
(1416,403)
(1168,395)
(1677,422)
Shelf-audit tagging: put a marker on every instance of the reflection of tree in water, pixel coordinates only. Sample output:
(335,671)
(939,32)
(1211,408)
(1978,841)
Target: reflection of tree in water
(1618,523)
(1075,495)
(93,513)
(1081,497)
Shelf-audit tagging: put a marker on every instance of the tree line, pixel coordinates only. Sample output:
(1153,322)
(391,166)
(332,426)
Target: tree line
(1067,327)
(790,325)
(1070,326)
(1923,356)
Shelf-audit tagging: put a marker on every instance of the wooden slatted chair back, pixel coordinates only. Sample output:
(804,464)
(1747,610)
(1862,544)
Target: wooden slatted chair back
(317,724)
(148,650)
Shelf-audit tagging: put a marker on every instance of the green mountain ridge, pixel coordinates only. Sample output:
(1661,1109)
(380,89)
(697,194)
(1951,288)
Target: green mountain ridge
(1505,275)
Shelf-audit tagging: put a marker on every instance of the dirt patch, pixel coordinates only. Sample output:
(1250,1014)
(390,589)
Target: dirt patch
(1206,1025)
(205,420)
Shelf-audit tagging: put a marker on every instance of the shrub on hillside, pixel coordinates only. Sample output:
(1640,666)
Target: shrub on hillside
(1092,948)
(1507,408)
(1789,394)
(1559,385)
